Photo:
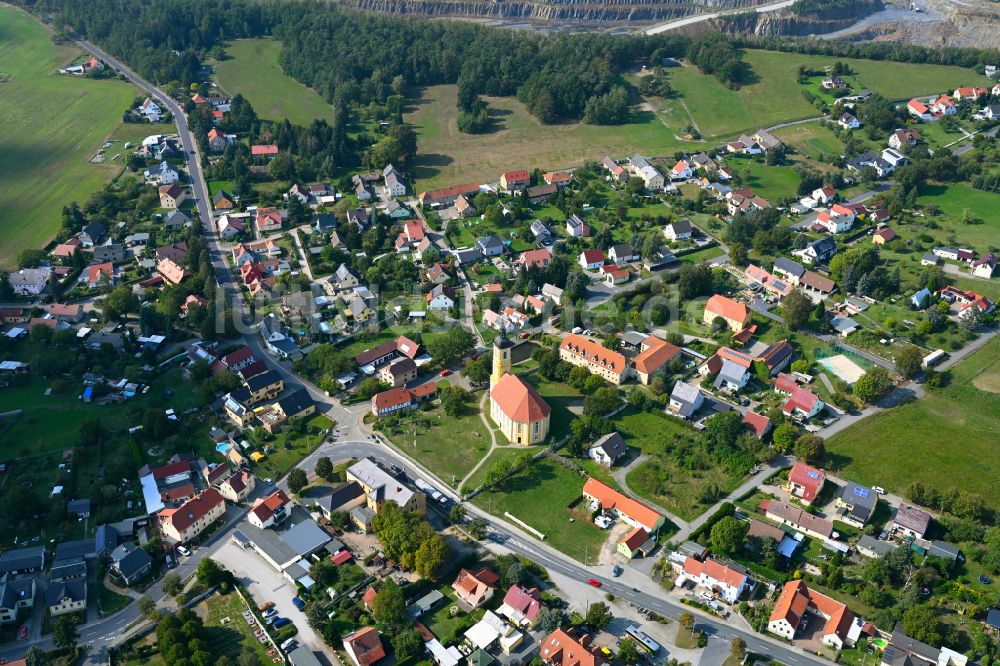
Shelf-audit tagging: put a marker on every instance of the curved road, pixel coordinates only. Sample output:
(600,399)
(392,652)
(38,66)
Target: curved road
(358,441)
(692,20)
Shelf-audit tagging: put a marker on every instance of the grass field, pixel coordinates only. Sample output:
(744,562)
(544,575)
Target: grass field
(811,140)
(953,200)
(251,69)
(52,124)
(911,442)
(776,97)
(446,156)
(227,631)
(539,496)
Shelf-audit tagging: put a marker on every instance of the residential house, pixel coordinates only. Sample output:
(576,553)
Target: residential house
(268,220)
(894,157)
(223,201)
(542,232)
(66,596)
(269,511)
(985,266)
(191,518)
(563,647)
(398,373)
(437,274)
(394,182)
(816,284)
(905,651)
(393,400)
(735,314)
(592,259)
(637,543)
(618,172)
(576,227)
(475,589)
(653,354)
(606,363)
(971,94)
(725,581)
(99,275)
(264,151)
(446,196)
(650,175)
(797,603)
(817,252)
(911,521)
(464,207)
(515,181)
(919,110)
(129,563)
(791,271)
(943,106)
(622,253)
(685,400)
(552,293)
(883,236)
(364,646)
(150,110)
(216,140)
(108,252)
(16,594)
(848,121)
(856,504)
(171,196)
(631,511)
(521,606)
(396,210)
(171,272)
(560,179)
(904,137)
(678,230)
(92,234)
(161,174)
(805,482)
(802,403)
(26,560)
(870,160)
(776,357)
(344,278)
(681,171)
(66,250)
(536,258)
(784,513)
(490,246)
(758,424)
(608,449)
(387,351)
(380,487)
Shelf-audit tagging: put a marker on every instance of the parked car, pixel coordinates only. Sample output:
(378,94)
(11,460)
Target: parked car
(267,605)
(271,612)
(301,605)
(445,372)
(183,550)
(171,562)
(289,644)
(22,634)
(879,489)
(594,582)
(280,622)
(617,571)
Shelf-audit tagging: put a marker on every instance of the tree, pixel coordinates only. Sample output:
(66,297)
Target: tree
(478,371)
(453,400)
(810,448)
(909,361)
(41,335)
(628,652)
(603,401)
(873,384)
(921,623)
(35,657)
(738,254)
(738,648)
(457,514)
(686,620)
(120,302)
(297,480)
(431,556)
(598,615)
(728,534)
(795,310)
(784,437)
(694,280)
(315,613)
(210,573)
(64,634)
(407,644)
(389,606)
(172,584)
(324,468)
(551,619)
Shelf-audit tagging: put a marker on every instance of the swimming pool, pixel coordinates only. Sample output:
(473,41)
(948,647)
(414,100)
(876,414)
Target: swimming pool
(223,447)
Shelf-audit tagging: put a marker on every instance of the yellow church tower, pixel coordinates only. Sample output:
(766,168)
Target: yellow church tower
(501,358)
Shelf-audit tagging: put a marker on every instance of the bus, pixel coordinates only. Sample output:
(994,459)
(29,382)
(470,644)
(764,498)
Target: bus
(644,641)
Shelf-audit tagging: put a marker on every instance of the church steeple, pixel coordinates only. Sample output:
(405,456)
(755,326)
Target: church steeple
(501,358)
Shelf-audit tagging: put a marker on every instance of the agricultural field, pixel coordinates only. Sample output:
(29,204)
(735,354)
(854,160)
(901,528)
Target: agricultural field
(894,448)
(251,68)
(446,156)
(953,200)
(53,125)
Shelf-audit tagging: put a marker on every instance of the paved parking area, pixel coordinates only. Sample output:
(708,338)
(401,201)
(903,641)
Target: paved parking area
(265,584)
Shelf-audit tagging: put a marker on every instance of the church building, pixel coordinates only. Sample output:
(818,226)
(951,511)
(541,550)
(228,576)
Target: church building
(515,406)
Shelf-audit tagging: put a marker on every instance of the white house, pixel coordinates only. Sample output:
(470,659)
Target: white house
(161,174)
(394,181)
(824,195)
(847,121)
(150,110)
(838,220)
(725,582)
(30,281)
(608,449)
(894,157)
(678,230)
(681,171)
(576,228)
(591,260)
(440,298)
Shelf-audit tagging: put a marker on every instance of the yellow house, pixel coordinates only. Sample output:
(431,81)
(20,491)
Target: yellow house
(515,406)
(736,315)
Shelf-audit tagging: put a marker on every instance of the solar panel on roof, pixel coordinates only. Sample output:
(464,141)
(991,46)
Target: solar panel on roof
(812,474)
(860,492)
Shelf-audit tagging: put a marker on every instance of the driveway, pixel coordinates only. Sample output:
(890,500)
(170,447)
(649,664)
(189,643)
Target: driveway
(265,584)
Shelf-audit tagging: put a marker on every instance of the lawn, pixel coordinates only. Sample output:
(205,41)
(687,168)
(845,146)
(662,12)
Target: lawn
(561,398)
(660,479)
(449,446)
(53,125)
(539,496)
(251,68)
(812,140)
(227,631)
(910,443)
(702,255)
(771,182)
(953,200)
(289,448)
(445,156)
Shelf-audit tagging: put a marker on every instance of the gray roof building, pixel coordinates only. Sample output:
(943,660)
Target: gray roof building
(859,502)
(72,567)
(73,588)
(22,560)
(944,549)
(789,267)
(685,399)
(80,548)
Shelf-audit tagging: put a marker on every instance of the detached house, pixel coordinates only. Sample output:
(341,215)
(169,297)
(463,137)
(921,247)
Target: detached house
(521,606)
(805,482)
(608,449)
(795,606)
(193,516)
(576,227)
(725,581)
(736,315)
(477,588)
(515,181)
(216,140)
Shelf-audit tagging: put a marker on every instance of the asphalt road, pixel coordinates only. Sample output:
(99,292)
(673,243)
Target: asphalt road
(691,20)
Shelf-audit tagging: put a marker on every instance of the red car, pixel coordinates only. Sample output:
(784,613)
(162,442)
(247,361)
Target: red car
(595,583)
(23,633)
(445,372)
